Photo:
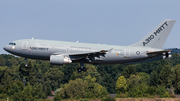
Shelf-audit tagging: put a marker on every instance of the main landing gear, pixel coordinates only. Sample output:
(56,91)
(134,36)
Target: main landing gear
(26,62)
(82,68)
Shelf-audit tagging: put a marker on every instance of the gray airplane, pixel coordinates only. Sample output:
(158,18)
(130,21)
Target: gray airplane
(62,52)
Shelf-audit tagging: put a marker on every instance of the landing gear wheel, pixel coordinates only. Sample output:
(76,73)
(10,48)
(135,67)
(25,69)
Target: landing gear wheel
(26,62)
(79,69)
(84,69)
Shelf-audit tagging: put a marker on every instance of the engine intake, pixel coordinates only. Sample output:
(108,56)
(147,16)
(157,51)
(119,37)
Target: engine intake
(59,60)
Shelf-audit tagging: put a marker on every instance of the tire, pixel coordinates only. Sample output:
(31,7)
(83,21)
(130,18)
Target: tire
(79,69)
(84,69)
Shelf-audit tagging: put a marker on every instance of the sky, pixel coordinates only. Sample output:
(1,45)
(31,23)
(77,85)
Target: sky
(112,22)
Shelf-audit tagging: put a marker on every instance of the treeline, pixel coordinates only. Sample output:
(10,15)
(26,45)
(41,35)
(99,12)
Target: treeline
(40,79)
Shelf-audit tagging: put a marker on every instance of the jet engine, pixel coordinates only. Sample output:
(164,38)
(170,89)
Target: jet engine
(59,60)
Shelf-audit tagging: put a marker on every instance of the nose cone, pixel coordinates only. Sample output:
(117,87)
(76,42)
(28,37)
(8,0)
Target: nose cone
(6,48)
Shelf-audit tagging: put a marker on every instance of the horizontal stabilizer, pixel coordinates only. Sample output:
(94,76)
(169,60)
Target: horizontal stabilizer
(159,52)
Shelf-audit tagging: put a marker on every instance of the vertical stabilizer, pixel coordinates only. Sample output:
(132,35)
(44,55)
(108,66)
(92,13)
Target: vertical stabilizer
(157,37)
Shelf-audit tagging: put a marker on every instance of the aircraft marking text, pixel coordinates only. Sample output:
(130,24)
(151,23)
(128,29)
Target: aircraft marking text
(161,28)
(37,48)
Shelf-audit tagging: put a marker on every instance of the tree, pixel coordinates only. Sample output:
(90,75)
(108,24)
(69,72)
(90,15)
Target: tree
(37,91)
(109,75)
(3,61)
(53,77)
(32,73)
(57,97)
(68,70)
(151,90)
(121,85)
(165,75)
(128,71)
(23,72)
(176,77)
(144,77)
(134,79)
(154,79)
(161,90)
(74,89)
(2,71)
(14,87)
(28,91)
(109,82)
(94,89)
(6,79)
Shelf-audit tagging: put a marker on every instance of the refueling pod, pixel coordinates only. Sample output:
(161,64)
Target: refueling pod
(167,55)
(60,59)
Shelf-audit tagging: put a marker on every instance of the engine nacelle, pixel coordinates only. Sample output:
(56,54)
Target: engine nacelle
(59,60)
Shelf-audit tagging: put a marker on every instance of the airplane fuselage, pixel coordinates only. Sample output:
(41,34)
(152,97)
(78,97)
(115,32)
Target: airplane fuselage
(43,49)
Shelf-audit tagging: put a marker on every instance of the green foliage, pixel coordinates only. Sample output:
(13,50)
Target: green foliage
(53,77)
(154,79)
(108,98)
(165,75)
(57,97)
(109,75)
(151,90)
(47,89)
(134,79)
(74,89)
(3,96)
(94,89)
(129,70)
(176,77)
(144,77)
(68,70)
(3,61)
(161,90)
(121,85)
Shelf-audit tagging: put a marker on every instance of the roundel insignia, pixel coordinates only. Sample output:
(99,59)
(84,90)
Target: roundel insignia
(137,52)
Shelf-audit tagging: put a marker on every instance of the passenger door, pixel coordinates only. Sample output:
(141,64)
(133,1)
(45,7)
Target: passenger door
(24,45)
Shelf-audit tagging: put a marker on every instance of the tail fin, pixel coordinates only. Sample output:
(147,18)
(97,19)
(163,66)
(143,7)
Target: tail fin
(157,37)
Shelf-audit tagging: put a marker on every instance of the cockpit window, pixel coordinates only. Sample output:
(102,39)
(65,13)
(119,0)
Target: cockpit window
(12,43)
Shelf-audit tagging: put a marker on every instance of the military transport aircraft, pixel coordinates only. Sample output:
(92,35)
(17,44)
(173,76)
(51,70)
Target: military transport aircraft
(61,52)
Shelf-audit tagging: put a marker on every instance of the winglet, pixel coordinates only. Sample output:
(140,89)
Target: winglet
(157,37)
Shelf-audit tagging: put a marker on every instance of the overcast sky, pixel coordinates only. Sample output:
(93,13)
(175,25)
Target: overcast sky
(114,22)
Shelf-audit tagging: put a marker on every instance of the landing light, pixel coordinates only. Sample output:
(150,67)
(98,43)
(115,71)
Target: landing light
(13,47)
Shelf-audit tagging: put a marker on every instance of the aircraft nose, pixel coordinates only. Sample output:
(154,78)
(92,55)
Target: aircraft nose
(5,48)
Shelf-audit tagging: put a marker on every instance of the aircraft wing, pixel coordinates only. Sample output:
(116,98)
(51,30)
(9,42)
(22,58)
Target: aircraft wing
(89,56)
(88,53)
